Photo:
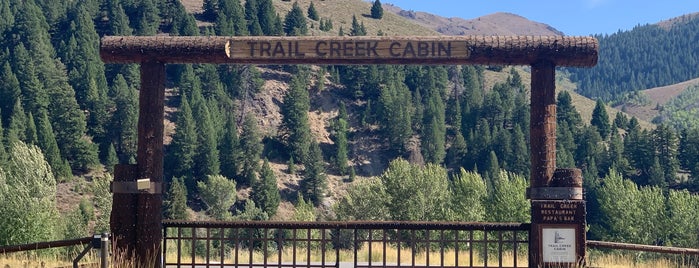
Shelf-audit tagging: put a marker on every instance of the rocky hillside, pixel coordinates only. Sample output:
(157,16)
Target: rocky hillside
(500,23)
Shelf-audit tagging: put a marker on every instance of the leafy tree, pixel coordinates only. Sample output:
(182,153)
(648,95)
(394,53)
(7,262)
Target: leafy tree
(295,21)
(27,198)
(364,200)
(314,183)
(506,202)
(265,192)
(251,213)
(468,196)
(312,12)
(416,193)
(303,211)
(377,10)
(219,195)
(251,149)
(600,119)
(175,203)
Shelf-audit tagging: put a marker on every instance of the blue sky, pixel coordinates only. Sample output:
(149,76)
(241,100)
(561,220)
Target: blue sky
(573,17)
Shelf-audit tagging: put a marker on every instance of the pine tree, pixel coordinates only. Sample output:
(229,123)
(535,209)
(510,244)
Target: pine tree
(377,10)
(30,137)
(253,22)
(9,91)
(314,183)
(18,124)
(251,149)
(231,15)
(357,29)
(3,150)
(340,139)
(265,192)
(47,143)
(210,12)
(183,147)
(230,151)
(175,203)
(313,13)
(206,159)
(295,126)
(124,119)
(267,16)
(295,22)
(111,159)
(600,119)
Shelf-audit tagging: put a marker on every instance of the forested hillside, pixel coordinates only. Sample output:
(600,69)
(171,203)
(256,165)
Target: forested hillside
(647,56)
(339,142)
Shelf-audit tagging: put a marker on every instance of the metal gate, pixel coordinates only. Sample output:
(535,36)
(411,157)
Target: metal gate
(344,244)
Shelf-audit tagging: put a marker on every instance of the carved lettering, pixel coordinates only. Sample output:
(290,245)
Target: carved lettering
(259,48)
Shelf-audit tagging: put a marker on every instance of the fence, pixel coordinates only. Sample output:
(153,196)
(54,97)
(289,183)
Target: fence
(100,242)
(344,244)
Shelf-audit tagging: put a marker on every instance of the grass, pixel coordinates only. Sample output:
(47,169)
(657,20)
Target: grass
(595,258)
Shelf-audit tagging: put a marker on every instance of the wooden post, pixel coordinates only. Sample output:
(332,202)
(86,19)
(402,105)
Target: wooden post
(542,124)
(150,162)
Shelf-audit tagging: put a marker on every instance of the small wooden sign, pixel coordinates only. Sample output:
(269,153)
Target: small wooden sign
(251,49)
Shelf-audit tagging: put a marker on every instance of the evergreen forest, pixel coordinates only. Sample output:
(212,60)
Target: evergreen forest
(402,143)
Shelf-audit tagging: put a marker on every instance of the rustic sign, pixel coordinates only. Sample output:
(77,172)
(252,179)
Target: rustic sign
(496,50)
(369,48)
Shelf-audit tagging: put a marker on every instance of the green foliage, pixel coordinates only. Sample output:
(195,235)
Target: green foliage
(364,200)
(630,214)
(506,203)
(395,114)
(312,12)
(631,60)
(341,127)
(265,192)
(295,21)
(377,10)
(326,24)
(49,146)
(27,198)
(295,126)
(600,119)
(468,196)
(417,193)
(357,29)
(251,18)
(314,183)
(219,195)
(230,150)
(681,112)
(251,212)
(251,150)
(303,211)
(175,203)
(102,200)
(180,157)
(124,120)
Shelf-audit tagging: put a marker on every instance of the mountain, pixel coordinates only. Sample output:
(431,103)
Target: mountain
(647,56)
(500,23)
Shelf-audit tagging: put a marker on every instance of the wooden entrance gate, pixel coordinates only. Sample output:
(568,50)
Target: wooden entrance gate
(136,214)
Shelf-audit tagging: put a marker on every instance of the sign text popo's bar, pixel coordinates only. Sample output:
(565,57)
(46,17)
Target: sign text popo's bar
(441,50)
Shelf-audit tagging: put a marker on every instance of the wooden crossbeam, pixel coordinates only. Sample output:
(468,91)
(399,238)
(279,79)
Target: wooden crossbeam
(484,50)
